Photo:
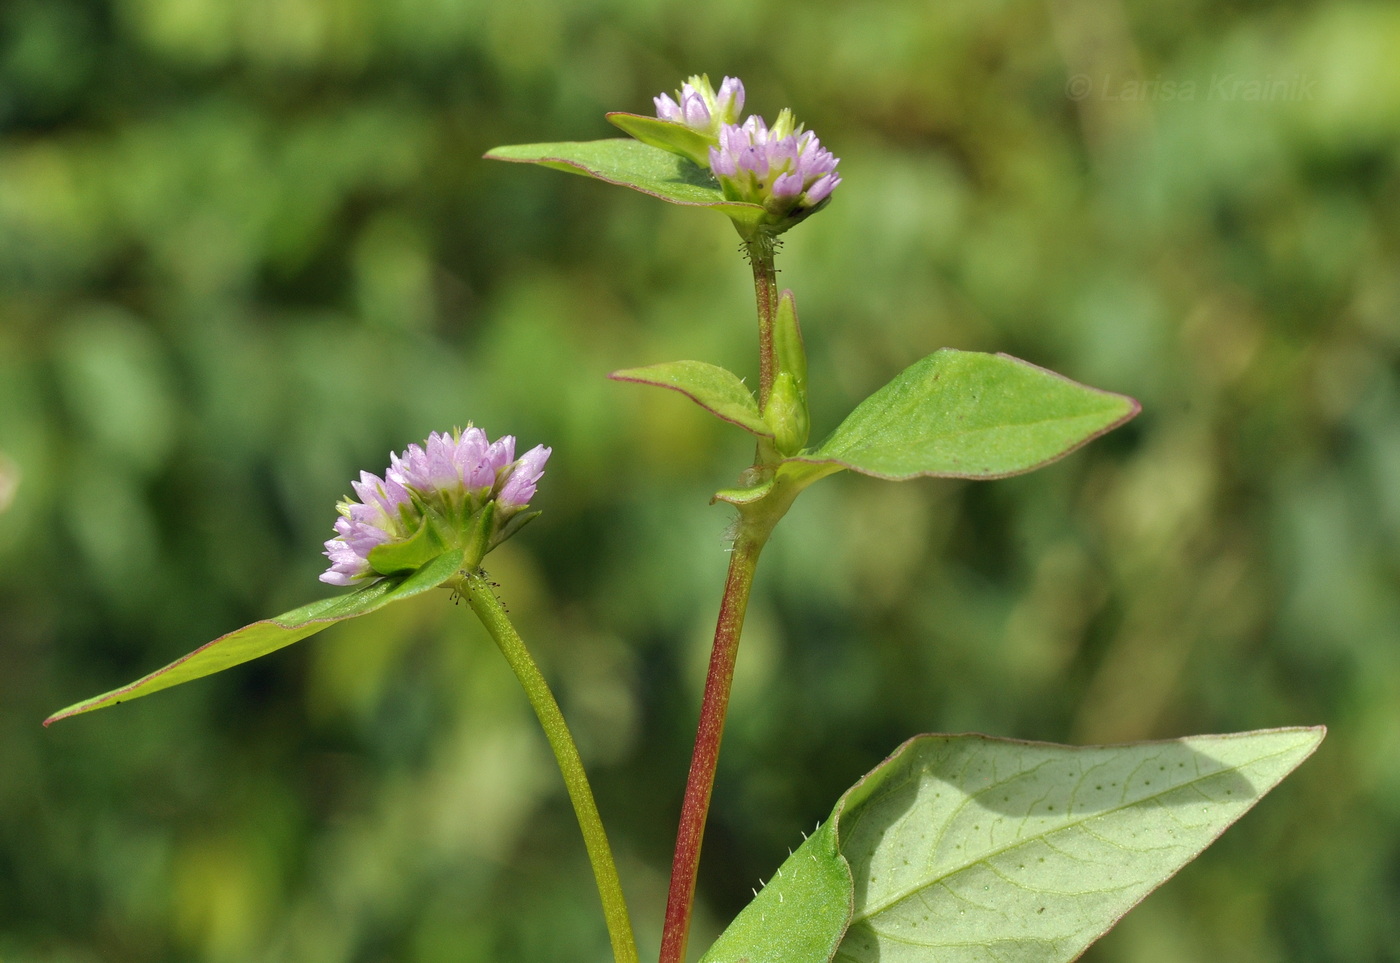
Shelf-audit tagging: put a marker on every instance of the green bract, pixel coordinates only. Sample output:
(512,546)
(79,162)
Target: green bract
(668,135)
(651,170)
(642,167)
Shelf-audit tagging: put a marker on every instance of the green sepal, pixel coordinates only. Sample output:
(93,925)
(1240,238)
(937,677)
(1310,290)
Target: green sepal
(666,134)
(269,635)
(480,536)
(514,524)
(965,414)
(642,167)
(396,558)
(800,915)
(718,390)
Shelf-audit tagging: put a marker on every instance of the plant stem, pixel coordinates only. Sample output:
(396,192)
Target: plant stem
(753,533)
(760,251)
(488,608)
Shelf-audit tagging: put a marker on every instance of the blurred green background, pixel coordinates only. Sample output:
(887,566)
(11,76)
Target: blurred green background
(248,248)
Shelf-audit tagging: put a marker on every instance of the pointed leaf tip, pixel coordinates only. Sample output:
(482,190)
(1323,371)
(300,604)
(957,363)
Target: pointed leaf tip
(958,843)
(268,635)
(799,915)
(965,414)
(718,390)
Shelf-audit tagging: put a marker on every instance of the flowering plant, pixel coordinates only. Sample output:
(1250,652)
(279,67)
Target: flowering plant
(957,847)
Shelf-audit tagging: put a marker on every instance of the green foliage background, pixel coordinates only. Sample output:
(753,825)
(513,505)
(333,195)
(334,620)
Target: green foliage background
(248,248)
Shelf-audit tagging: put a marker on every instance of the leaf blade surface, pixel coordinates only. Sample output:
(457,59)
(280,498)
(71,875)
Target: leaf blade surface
(966,414)
(630,163)
(968,849)
(799,916)
(268,635)
(718,390)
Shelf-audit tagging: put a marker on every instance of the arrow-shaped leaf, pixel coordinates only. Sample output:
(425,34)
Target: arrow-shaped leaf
(969,849)
(964,414)
(268,635)
(718,390)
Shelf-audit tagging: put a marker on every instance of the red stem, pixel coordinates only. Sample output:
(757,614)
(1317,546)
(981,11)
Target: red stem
(765,286)
(707,739)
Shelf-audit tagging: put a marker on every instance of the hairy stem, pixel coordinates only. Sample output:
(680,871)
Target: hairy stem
(484,603)
(760,251)
(705,758)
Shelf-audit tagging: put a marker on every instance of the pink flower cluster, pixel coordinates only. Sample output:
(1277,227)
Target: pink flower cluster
(698,106)
(783,167)
(756,163)
(452,475)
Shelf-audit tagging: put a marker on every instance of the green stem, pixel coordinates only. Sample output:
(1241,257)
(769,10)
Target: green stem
(487,607)
(753,534)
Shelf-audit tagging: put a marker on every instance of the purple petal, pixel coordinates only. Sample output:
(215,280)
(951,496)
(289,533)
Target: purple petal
(787,185)
(822,187)
(498,457)
(520,487)
(730,98)
(467,456)
(693,106)
(668,109)
(722,163)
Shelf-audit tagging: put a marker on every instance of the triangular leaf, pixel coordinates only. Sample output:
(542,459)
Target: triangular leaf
(633,164)
(799,915)
(964,414)
(718,390)
(969,849)
(268,635)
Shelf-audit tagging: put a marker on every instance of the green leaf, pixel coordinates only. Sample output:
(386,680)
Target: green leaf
(633,164)
(268,635)
(718,390)
(964,414)
(969,849)
(800,914)
(666,134)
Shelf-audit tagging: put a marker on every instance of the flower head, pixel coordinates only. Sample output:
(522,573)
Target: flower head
(697,106)
(784,168)
(445,485)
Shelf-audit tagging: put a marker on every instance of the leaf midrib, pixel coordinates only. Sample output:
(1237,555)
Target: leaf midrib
(977,431)
(862,916)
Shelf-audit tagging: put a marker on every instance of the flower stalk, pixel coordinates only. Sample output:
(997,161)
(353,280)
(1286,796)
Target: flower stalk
(477,591)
